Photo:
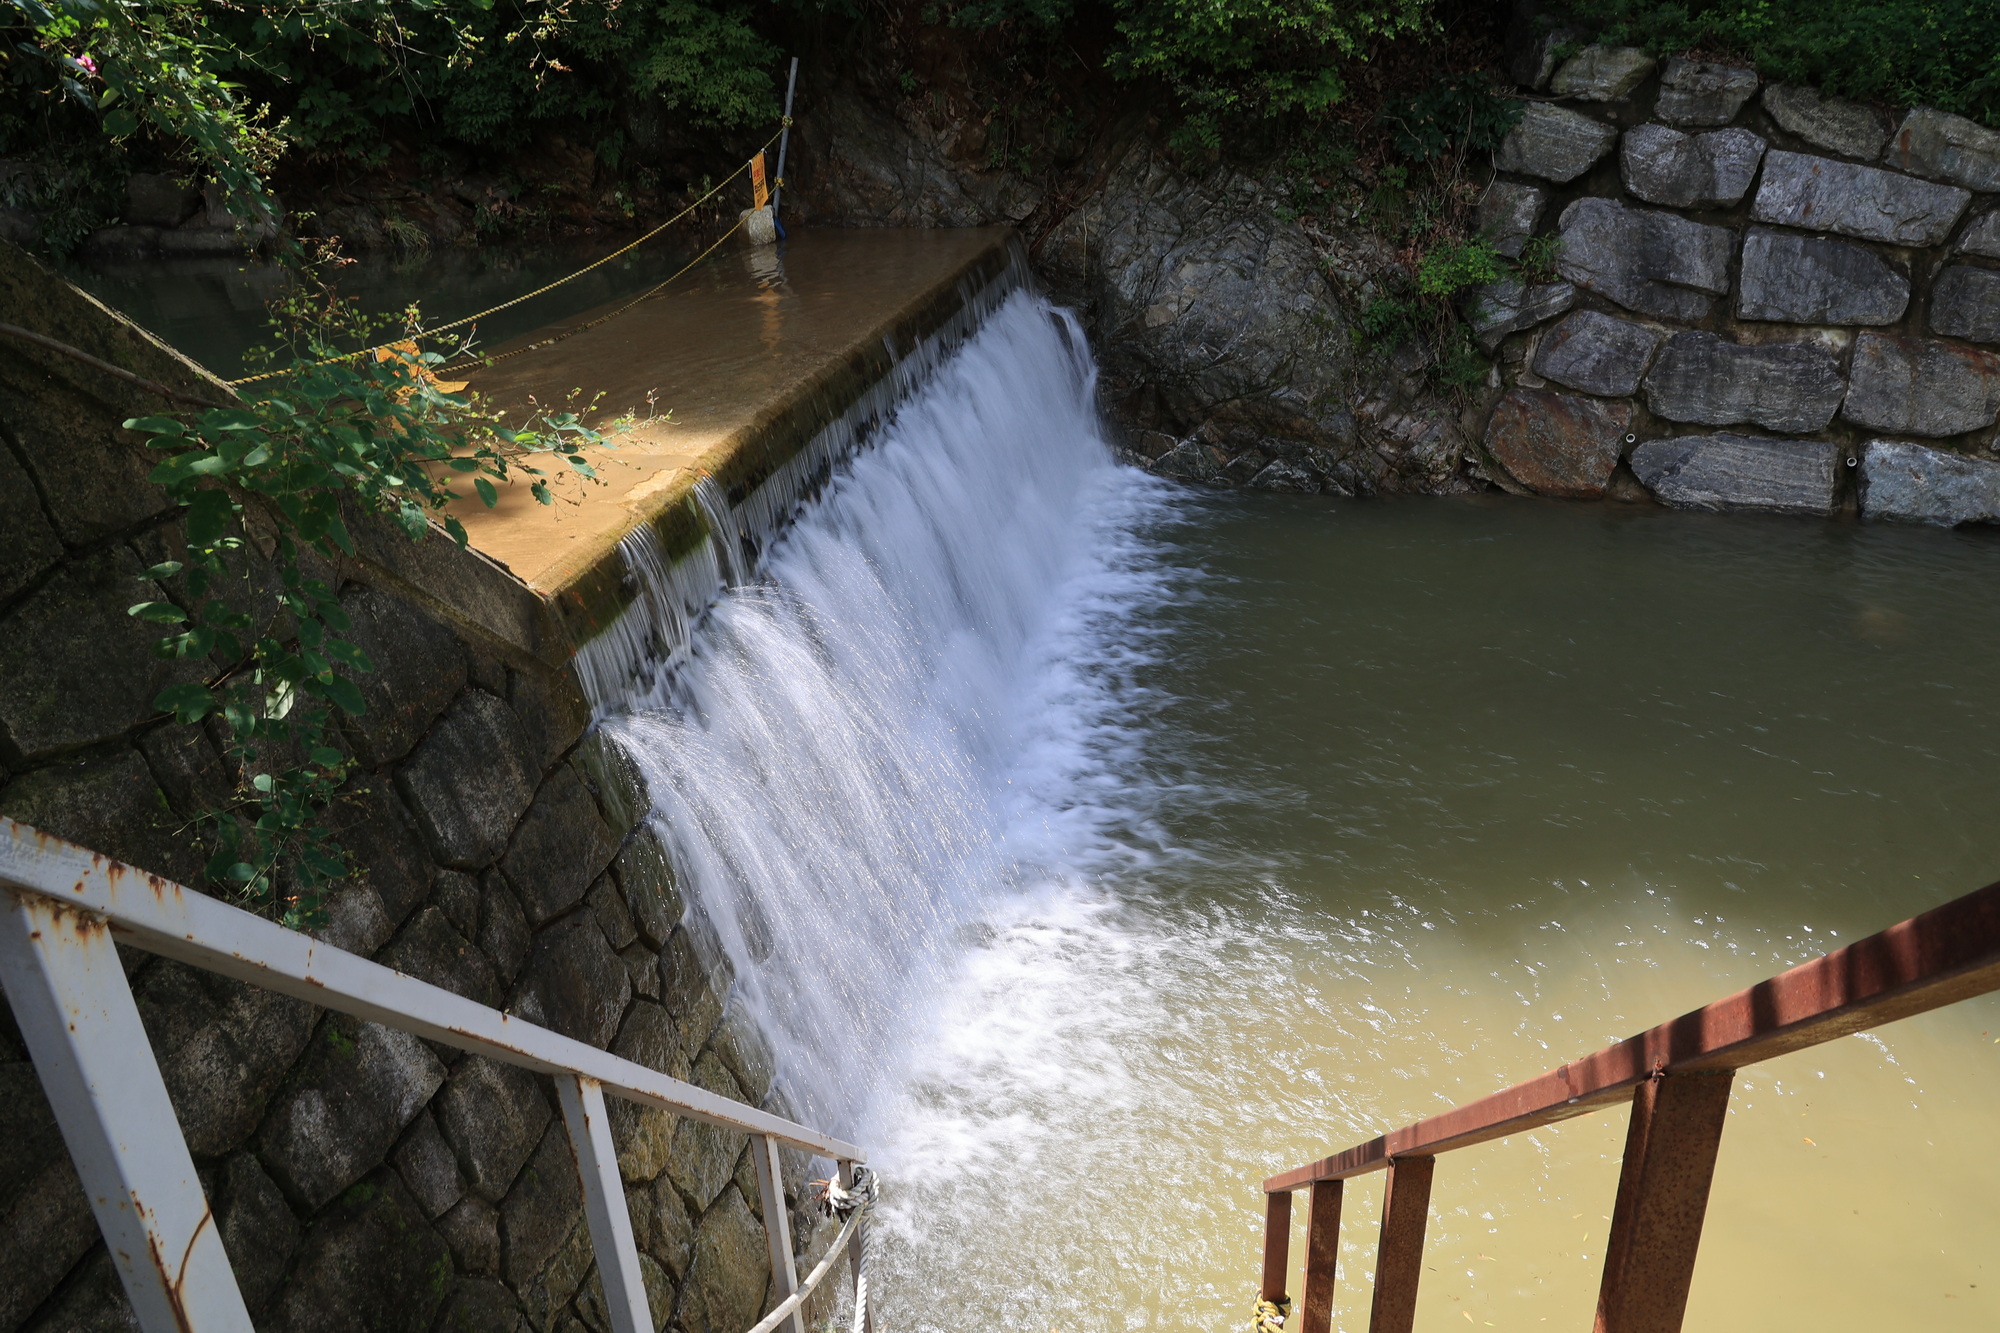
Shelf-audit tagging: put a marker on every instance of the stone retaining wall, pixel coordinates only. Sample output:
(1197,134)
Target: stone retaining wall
(362,1179)
(1762,298)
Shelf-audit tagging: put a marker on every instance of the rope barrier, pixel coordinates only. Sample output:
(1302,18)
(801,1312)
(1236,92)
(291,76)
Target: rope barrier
(1271,1315)
(784,125)
(648,295)
(852,1204)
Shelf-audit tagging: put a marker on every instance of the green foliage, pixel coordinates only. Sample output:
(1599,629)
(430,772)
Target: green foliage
(1224,59)
(239,82)
(1538,258)
(1255,56)
(1450,117)
(1453,267)
(156,65)
(1943,53)
(332,436)
(1386,322)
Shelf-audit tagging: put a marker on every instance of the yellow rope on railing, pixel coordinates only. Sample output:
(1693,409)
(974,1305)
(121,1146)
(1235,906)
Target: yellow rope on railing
(1270,1315)
(783,125)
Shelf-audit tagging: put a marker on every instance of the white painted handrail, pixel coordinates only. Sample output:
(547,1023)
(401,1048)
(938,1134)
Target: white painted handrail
(63,909)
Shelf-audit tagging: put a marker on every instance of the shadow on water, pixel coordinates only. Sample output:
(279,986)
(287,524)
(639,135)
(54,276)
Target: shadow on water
(214,309)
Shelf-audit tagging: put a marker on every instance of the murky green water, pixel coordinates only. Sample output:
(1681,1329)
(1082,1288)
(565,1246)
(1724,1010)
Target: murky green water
(1456,790)
(215,309)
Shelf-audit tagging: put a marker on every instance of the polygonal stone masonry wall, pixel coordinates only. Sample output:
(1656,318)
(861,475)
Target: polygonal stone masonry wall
(1763,298)
(361,1178)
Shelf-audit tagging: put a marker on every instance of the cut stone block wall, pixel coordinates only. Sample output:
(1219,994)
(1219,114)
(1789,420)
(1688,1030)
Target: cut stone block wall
(362,1179)
(1754,281)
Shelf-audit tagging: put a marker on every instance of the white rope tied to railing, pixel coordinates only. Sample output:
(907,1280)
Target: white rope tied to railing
(784,1308)
(852,1203)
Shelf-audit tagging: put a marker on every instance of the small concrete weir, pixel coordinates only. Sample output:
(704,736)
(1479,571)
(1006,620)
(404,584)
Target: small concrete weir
(747,384)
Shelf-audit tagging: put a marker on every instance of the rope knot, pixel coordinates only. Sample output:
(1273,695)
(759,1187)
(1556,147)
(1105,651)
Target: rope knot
(1271,1315)
(840,1202)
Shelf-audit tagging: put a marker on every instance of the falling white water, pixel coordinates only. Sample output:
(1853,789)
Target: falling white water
(894,726)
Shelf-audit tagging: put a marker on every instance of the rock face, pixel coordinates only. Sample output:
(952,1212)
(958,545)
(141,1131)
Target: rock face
(1510,305)
(1981,236)
(1846,128)
(1664,166)
(1915,386)
(1700,92)
(1817,280)
(1933,143)
(1554,143)
(1780,386)
(1651,262)
(1597,353)
(1508,214)
(158,201)
(1915,484)
(1602,73)
(1821,194)
(1965,303)
(1740,472)
(1558,444)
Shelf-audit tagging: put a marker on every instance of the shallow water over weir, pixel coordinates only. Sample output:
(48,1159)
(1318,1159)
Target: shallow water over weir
(1094,849)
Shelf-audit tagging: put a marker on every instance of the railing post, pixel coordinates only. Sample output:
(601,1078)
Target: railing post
(1322,1254)
(777,1228)
(1670,1149)
(76,1014)
(1399,1263)
(1277,1245)
(857,1263)
(604,1206)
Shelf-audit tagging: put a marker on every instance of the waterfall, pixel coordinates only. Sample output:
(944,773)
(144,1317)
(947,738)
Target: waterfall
(863,735)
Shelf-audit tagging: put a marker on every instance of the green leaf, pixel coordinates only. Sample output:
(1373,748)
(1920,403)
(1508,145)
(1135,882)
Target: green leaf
(208,517)
(120,122)
(166,569)
(157,426)
(487,494)
(328,757)
(344,693)
(348,655)
(189,701)
(160,613)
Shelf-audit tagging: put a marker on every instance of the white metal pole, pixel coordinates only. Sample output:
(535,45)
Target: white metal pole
(604,1205)
(76,1014)
(777,1226)
(785,135)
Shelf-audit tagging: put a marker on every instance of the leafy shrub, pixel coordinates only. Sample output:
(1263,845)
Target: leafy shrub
(1457,265)
(379,432)
(1538,258)
(1943,53)
(1450,117)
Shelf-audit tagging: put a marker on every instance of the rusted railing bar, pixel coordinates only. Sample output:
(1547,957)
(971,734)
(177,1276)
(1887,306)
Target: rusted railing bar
(1663,1183)
(1540,1101)
(1322,1257)
(1399,1263)
(1277,1245)
(1940,957)
(165,918)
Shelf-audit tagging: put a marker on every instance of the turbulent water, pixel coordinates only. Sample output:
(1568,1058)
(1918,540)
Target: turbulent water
(1092,850)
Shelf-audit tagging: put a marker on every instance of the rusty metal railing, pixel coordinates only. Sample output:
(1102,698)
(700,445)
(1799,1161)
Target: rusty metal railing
(1677,1077)
(63,912)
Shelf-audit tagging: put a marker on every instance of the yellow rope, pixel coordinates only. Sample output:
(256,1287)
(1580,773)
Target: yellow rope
(1270,1315)
(647,295)
(549,287)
